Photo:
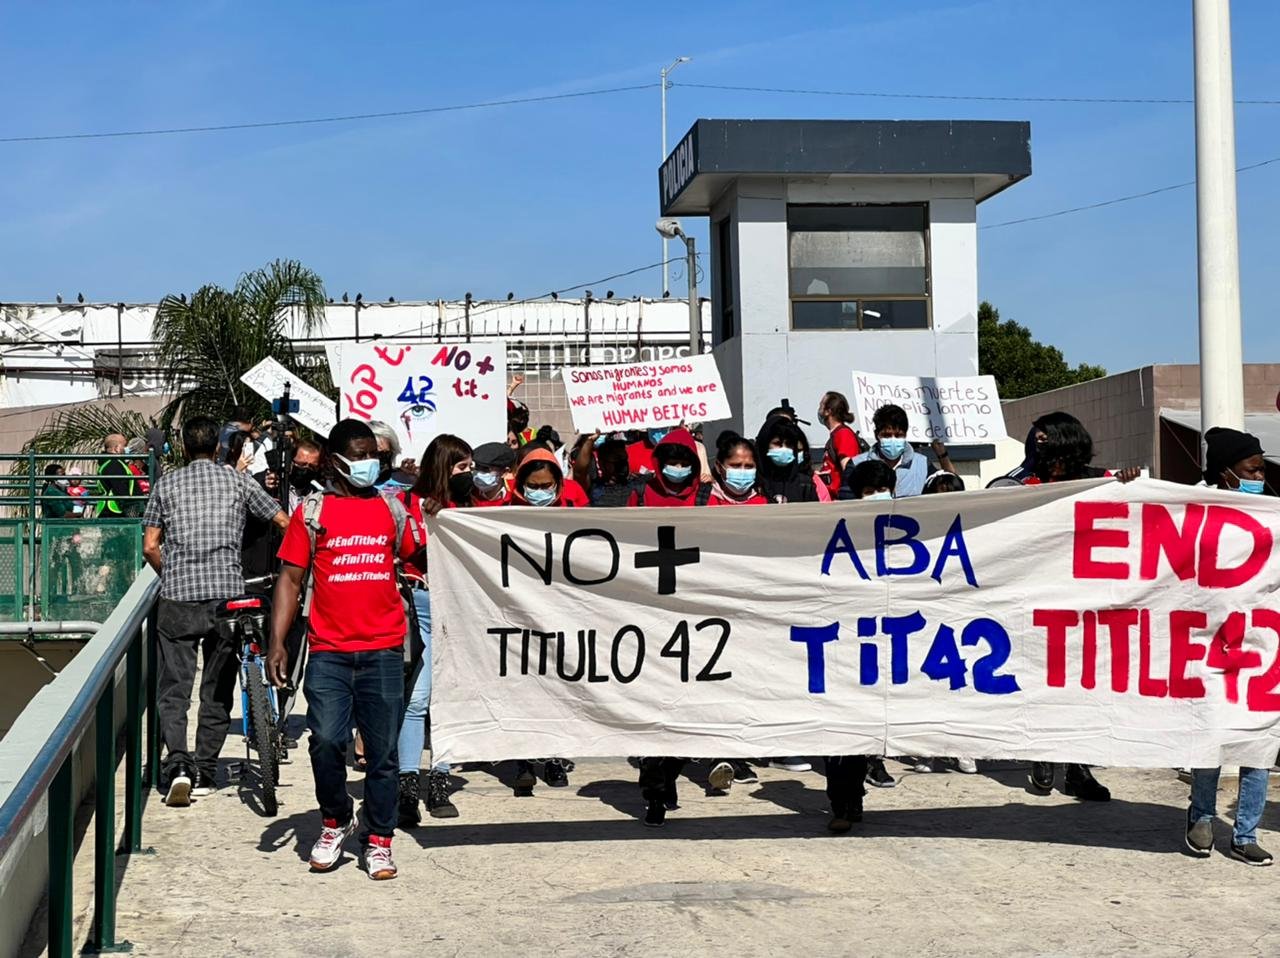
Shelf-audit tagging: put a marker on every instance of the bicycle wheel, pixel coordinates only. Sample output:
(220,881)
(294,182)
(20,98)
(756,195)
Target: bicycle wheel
(265,736)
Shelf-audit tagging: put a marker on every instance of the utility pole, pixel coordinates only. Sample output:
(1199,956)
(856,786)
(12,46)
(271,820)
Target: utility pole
(695,307)
(664,73)
(1217,240)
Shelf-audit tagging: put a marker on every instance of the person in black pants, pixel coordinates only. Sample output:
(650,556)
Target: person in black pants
(191,536)
(846,775)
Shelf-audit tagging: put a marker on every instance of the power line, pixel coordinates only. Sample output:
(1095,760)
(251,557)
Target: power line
(954,96)
(1120,199)
(225,127)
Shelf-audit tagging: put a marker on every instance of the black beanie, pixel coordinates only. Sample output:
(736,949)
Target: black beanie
(1224,448)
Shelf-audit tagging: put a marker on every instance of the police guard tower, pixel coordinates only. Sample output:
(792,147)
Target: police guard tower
(839,245)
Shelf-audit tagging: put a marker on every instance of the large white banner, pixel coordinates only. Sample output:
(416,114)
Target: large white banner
(956,409)
(1127,625)
(422,389)
(645,395)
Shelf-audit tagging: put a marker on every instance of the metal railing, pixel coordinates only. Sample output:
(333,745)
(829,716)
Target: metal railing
(40,546)
(84,695)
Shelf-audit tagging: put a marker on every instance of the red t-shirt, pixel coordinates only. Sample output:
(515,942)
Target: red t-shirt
(574,495)
(502,500)
(640,458)
(844,441)
(355,605)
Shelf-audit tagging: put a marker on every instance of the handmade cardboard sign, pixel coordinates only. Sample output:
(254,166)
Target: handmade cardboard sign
(645,395)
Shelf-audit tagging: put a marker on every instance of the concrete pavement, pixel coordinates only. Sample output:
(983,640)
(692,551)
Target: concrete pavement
(944,864)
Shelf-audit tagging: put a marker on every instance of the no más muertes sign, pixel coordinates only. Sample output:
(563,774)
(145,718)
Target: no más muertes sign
(1127,625)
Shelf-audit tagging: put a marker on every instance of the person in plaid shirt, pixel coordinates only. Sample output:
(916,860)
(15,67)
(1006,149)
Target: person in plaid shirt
(192,532)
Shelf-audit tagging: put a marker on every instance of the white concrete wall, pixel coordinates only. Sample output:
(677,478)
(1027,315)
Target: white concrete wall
(775,361)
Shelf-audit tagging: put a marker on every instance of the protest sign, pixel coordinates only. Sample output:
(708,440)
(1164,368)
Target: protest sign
(315,409)
(1095,622)
(645,395)
(959,409)
(424,389)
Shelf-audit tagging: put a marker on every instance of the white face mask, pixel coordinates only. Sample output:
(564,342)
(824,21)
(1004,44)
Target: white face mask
(879,496)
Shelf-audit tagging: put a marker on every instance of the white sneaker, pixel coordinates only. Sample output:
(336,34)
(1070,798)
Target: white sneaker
(791,764)
(922,765)
(721,776)
(327,851)
(967,765)
(377,861)
(179,793)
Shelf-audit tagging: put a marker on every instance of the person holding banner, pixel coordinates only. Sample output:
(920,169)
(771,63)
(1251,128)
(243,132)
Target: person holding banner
(1234,462)
(491,475)
(847,774)
(539,482)
(733,475)
(782,474)
(444,481)
(674,481)
(1064,455)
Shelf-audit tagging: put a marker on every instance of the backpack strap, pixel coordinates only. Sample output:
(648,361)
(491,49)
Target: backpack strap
(312,506)
(703,495)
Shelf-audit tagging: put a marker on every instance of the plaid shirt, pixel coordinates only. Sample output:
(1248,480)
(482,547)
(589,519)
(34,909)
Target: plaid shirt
(201,510)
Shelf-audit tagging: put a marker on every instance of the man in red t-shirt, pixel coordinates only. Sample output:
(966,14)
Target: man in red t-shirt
(356,634)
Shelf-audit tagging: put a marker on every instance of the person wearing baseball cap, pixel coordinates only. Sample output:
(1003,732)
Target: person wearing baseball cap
(491,474)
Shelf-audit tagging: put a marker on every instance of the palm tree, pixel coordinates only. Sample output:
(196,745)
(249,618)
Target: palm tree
(203,347)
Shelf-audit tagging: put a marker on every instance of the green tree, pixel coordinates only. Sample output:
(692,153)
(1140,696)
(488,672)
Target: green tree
(203,347)
(1021,365)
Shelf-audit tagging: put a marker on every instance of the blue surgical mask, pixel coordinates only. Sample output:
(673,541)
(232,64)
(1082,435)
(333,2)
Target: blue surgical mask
(677,473)
(1255,487)
(879,496)
(488,481)
(601,440)
(539,497)
(892,446)
(782,456)
(740,480)
(657,435)
(362,473)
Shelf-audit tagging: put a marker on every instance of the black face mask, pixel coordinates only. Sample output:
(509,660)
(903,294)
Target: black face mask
(460,486)
(301,477)
(388,466)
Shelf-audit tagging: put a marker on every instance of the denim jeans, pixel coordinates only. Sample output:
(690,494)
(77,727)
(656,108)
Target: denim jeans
(413,733)
(1249,804)
(366,688)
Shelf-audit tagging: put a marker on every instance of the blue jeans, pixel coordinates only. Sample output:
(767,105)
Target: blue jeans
(366,688)
(1249,805)
(413,733)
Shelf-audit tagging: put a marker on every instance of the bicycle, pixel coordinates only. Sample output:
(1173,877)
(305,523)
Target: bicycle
(243,620)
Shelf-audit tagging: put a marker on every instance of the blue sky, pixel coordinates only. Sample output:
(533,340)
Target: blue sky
(534,197)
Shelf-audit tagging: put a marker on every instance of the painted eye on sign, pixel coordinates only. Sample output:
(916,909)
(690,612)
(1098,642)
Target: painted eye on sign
(423,390)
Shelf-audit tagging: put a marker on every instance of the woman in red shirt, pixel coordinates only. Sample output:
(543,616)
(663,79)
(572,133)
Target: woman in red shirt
(675,480)
(444,481)
(843,446)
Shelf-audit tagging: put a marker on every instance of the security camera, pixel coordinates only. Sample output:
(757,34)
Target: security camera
(668,227)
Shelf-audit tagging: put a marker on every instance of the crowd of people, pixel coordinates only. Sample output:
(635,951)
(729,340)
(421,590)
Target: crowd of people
(354,516)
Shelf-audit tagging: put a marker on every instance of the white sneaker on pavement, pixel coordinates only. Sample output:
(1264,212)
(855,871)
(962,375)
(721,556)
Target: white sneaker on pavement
(327,851)
(377,859)
(721,776)
(967,765)
(794,764)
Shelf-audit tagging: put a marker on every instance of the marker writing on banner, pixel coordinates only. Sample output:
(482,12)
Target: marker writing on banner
(944,661)
(534,652)
(953,548)
(1079,643)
